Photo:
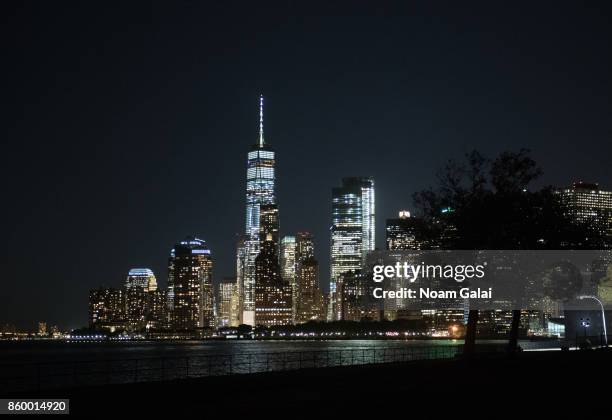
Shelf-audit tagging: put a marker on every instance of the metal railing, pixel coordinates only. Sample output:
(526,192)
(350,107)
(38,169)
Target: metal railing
(589,341)
(54,375)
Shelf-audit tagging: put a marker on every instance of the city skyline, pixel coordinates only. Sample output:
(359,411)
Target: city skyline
(284,288)
(107,176)
(253,222)
(352,226)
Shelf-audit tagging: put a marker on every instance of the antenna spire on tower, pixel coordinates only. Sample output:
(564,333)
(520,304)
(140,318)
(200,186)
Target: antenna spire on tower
(261,138)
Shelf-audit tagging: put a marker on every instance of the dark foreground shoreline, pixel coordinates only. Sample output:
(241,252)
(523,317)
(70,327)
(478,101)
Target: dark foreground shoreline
(544,382)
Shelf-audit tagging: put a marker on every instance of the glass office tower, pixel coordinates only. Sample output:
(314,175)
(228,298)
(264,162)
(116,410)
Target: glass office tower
(259,191)
(352,232)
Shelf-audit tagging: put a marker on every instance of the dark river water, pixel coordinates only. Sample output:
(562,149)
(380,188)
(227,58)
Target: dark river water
(26,365)
(55,351)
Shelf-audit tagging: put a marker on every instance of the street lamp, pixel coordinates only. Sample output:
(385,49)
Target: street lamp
(603,314)
(586,323)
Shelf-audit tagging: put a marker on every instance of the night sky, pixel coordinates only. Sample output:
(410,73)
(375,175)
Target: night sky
(128,125)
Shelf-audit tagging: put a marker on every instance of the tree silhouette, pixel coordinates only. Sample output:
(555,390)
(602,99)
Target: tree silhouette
(487,204)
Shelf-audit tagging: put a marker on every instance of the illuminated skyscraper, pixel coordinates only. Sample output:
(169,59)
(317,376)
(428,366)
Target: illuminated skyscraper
(401,233)
(287,258)
(240,273)
(310,303)
(350,288)
(288,266)
(224,300)
(259,191)
(235,308)
(273,301)
(227,298)
(107,308)
(589,205)
(140,282)
(308,299)
(191,270)
(352,232)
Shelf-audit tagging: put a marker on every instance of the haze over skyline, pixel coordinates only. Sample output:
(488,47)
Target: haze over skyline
(129,125)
